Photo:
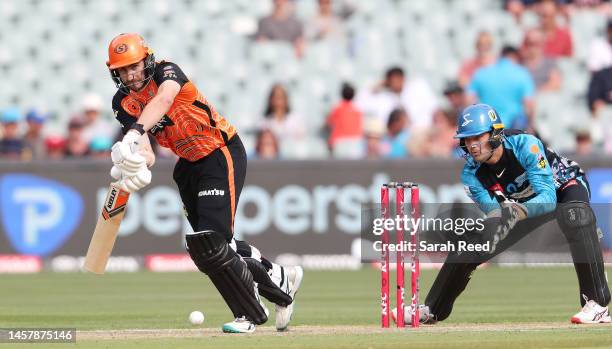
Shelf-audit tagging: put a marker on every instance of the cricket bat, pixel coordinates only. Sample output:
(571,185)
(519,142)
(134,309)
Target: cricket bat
(105,234)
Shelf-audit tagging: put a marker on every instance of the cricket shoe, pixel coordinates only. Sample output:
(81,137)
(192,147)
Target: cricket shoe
(425,316)
(283,314)
(240,325)
(592,313)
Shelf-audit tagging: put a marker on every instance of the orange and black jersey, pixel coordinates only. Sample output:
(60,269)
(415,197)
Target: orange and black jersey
(191,128)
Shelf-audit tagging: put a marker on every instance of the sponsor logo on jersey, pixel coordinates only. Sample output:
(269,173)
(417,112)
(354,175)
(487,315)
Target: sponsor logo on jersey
(211,192)
(165,121)
(170,74)
(541,162)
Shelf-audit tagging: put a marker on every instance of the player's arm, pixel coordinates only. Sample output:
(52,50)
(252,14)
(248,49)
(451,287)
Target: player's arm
(477,192)
(159,105)
(126,120)
(145,149)
(169,79)
(130,163)
(530,153)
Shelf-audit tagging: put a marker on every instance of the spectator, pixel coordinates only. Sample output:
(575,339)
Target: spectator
(457,100)
(414,96)
(374,131)
(508,87)
(325,24)
(395,142)
(598,5)
(584,143)
(76,146)
(517,7)
(438,141)
(346,126)
(484,57)
(282,25)
(600,90)
(543,70)
(286,126)
(34,141)
(266,145)
(11,145)
(600,51)
(100,147)
(94,123)
(557,40)
(56,147)
(442,142)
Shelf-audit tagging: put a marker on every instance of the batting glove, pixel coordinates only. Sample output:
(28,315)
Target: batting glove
(116,173)
(125,156)
(136,182)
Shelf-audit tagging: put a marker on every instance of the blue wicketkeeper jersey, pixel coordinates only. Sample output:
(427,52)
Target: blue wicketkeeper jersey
(527,173)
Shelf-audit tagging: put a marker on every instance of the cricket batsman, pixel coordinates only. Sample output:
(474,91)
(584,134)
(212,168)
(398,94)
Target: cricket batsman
(521,185)
(156,97)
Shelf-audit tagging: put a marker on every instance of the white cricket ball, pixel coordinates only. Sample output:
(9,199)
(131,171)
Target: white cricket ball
(196,317)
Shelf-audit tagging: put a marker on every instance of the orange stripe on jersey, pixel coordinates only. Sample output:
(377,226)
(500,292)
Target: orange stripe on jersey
(230,179)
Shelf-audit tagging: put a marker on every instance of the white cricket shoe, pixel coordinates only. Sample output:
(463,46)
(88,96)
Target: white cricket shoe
(240,325)
(592,313)
(425,316)
(283,314)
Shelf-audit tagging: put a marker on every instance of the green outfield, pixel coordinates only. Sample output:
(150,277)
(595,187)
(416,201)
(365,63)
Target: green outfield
(502,308)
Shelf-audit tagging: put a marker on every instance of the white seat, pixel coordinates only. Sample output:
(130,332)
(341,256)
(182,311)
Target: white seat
(269,53)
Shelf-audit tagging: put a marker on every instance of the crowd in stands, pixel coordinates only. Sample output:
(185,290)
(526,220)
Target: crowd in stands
(401,116)
(87,134)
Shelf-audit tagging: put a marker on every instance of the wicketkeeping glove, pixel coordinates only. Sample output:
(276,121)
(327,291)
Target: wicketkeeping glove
(497,228)
(511,213)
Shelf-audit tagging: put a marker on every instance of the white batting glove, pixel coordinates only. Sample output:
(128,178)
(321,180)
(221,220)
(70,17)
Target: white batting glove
(116,173)
(136,182)
(125,156)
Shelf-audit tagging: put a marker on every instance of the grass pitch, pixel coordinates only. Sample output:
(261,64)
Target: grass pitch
(501,308)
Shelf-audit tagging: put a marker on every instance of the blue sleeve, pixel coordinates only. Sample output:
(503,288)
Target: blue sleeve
(473,85)
(528,85)
(530,154)
(476,191)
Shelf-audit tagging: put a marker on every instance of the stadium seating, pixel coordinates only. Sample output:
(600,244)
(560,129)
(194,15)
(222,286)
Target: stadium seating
(56,52)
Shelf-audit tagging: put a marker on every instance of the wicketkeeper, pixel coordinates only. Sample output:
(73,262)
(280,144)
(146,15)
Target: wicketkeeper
(521,185)
(157,97)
